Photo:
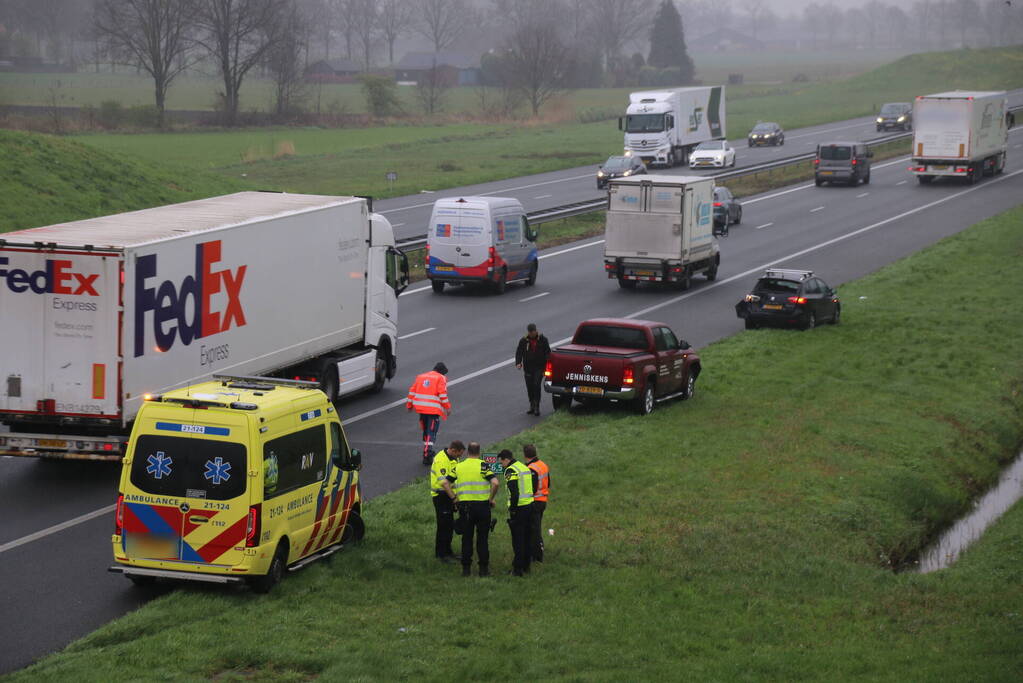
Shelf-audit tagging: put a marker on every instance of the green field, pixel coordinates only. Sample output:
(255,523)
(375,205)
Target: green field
(350,161)
(747,534)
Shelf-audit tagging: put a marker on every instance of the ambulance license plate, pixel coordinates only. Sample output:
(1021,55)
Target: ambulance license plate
(589,390)
(446,269)
(52,443)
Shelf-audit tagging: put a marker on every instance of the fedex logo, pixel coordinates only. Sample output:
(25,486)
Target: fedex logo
(56,278)
(173,317)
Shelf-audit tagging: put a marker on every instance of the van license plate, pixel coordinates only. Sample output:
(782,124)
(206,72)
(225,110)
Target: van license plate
(446,269)
(52,443)
(589,390)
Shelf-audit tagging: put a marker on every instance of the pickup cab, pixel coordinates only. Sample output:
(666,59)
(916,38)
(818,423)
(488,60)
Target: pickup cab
(611,359)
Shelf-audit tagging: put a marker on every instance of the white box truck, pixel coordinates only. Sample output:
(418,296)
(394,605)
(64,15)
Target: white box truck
(959,134)
(663,126)
(660,228)
(95,314)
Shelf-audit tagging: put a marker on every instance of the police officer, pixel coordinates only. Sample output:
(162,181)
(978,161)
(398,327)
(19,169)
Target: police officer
(521,483)
(540,493)
(531,357)
(475,487)
(443,501)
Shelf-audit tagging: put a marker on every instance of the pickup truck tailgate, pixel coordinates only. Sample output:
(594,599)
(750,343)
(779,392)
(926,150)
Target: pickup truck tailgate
(599,366)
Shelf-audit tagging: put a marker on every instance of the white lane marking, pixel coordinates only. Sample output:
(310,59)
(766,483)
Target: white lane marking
(765,225)
(543,196)
(414,334)
(414,291)
(509,361)
(495,192)
(397,225)
(535,296)
(862,194)
(900,160)
(829,130)
(902,182)
(819,208)
(827,243)
(11,545)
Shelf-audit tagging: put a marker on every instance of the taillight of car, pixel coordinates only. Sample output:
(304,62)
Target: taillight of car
(493,254)
(816,162)
(609,266)
(119,515)
(252,526)
(717,203)
(853,162)
(797,299)
(628,377)
(548,370)
(962,169)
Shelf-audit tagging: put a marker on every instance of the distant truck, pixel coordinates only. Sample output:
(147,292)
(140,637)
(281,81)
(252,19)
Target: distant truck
(610,359)
(98,313)
(960,134)
(663,126)
(660,228)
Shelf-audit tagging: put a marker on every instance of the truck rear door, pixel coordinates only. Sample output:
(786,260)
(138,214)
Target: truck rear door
(59,332)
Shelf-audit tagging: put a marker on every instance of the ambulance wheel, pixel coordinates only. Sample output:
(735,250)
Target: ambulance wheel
(502,282)
(355,529)
(273,576)
(438,286)
(141,581)
(532,274)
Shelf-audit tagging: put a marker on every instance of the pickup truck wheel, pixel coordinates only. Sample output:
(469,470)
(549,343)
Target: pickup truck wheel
(502,282)
(532,274)
(645,401)
(751,325)
(273,576)
(560,402)
(438,286)
(690,388)
(626,284)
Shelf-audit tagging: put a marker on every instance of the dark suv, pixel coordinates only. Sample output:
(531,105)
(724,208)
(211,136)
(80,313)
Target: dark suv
(848,162)
(789,297)
(895,115)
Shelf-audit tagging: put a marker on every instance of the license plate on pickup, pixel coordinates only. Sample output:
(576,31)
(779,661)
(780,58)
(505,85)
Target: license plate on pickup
(589,390)
(446,269)
(773,307)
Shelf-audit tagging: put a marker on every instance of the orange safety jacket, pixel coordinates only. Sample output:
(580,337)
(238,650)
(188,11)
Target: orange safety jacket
(428,395)
(543,479)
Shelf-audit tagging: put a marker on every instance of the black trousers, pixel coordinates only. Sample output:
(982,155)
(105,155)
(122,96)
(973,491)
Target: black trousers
(534,382)
(520,521)
(445,509)
(477,523)
(536,530)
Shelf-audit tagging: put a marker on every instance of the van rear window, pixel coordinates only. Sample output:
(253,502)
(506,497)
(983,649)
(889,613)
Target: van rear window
(604,335)
(836,152)
(185,467)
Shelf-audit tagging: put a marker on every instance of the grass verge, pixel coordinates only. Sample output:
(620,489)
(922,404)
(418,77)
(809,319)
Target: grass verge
(747,534)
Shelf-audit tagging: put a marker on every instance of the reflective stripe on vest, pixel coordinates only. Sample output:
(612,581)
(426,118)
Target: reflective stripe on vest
(470,485)
(542,475)
(442,466)
(524,476)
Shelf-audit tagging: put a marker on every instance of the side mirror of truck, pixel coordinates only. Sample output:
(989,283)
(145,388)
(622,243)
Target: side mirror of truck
(669,122)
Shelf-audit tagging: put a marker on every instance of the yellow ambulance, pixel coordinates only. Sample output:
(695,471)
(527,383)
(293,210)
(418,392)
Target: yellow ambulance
(235,480)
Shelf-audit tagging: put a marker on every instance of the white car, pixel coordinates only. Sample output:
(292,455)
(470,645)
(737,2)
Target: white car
(712,154)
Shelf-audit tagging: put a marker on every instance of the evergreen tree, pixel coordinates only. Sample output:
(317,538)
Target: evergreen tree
(668,43)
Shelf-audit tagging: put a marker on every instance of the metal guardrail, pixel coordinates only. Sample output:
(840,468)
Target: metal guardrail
(600,203)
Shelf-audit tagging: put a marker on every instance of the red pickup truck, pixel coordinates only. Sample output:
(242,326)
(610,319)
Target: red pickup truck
(612,359)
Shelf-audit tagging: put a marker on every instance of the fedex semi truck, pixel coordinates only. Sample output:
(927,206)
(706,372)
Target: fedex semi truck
(663,126)
(98,313)
(960,134)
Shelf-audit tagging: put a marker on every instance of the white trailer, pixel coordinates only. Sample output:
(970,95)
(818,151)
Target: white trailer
(660,228)
(960,134)
(96,314)
(663,126)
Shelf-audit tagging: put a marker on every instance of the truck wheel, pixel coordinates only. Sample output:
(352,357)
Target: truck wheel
(559,402)
(712,273)
(273,576)
(502,282)
(329,383)
(818,182)
(971,175)
(690,388)
(626,284)
(438,286)
(645,401)
(686,280)
(925,179)
(532,274)
(670,162)
(379,372)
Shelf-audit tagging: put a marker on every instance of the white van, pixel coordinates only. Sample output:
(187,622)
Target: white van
(480,239)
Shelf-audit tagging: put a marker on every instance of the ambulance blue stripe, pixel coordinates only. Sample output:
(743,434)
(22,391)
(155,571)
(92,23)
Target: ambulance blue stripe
(194,429)
(189,555)
(154,522)
(311,415)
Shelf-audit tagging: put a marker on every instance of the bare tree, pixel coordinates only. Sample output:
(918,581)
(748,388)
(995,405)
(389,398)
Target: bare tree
(431,89)
(536,61)
(395,19)
(153,34)
(440,21)
(238,34)
(759,14)
(965,15)
(285,63)
(364,22)
(617,22)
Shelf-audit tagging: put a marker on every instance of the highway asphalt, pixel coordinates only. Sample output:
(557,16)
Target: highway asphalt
(53,581)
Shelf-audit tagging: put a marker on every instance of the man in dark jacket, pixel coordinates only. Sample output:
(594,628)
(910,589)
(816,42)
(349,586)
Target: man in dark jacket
(531,357)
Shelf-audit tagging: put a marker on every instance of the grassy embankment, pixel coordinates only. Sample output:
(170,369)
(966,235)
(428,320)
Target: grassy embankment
(443,156)
(748,534)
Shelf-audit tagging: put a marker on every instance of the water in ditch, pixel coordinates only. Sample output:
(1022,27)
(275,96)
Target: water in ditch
(986,510)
